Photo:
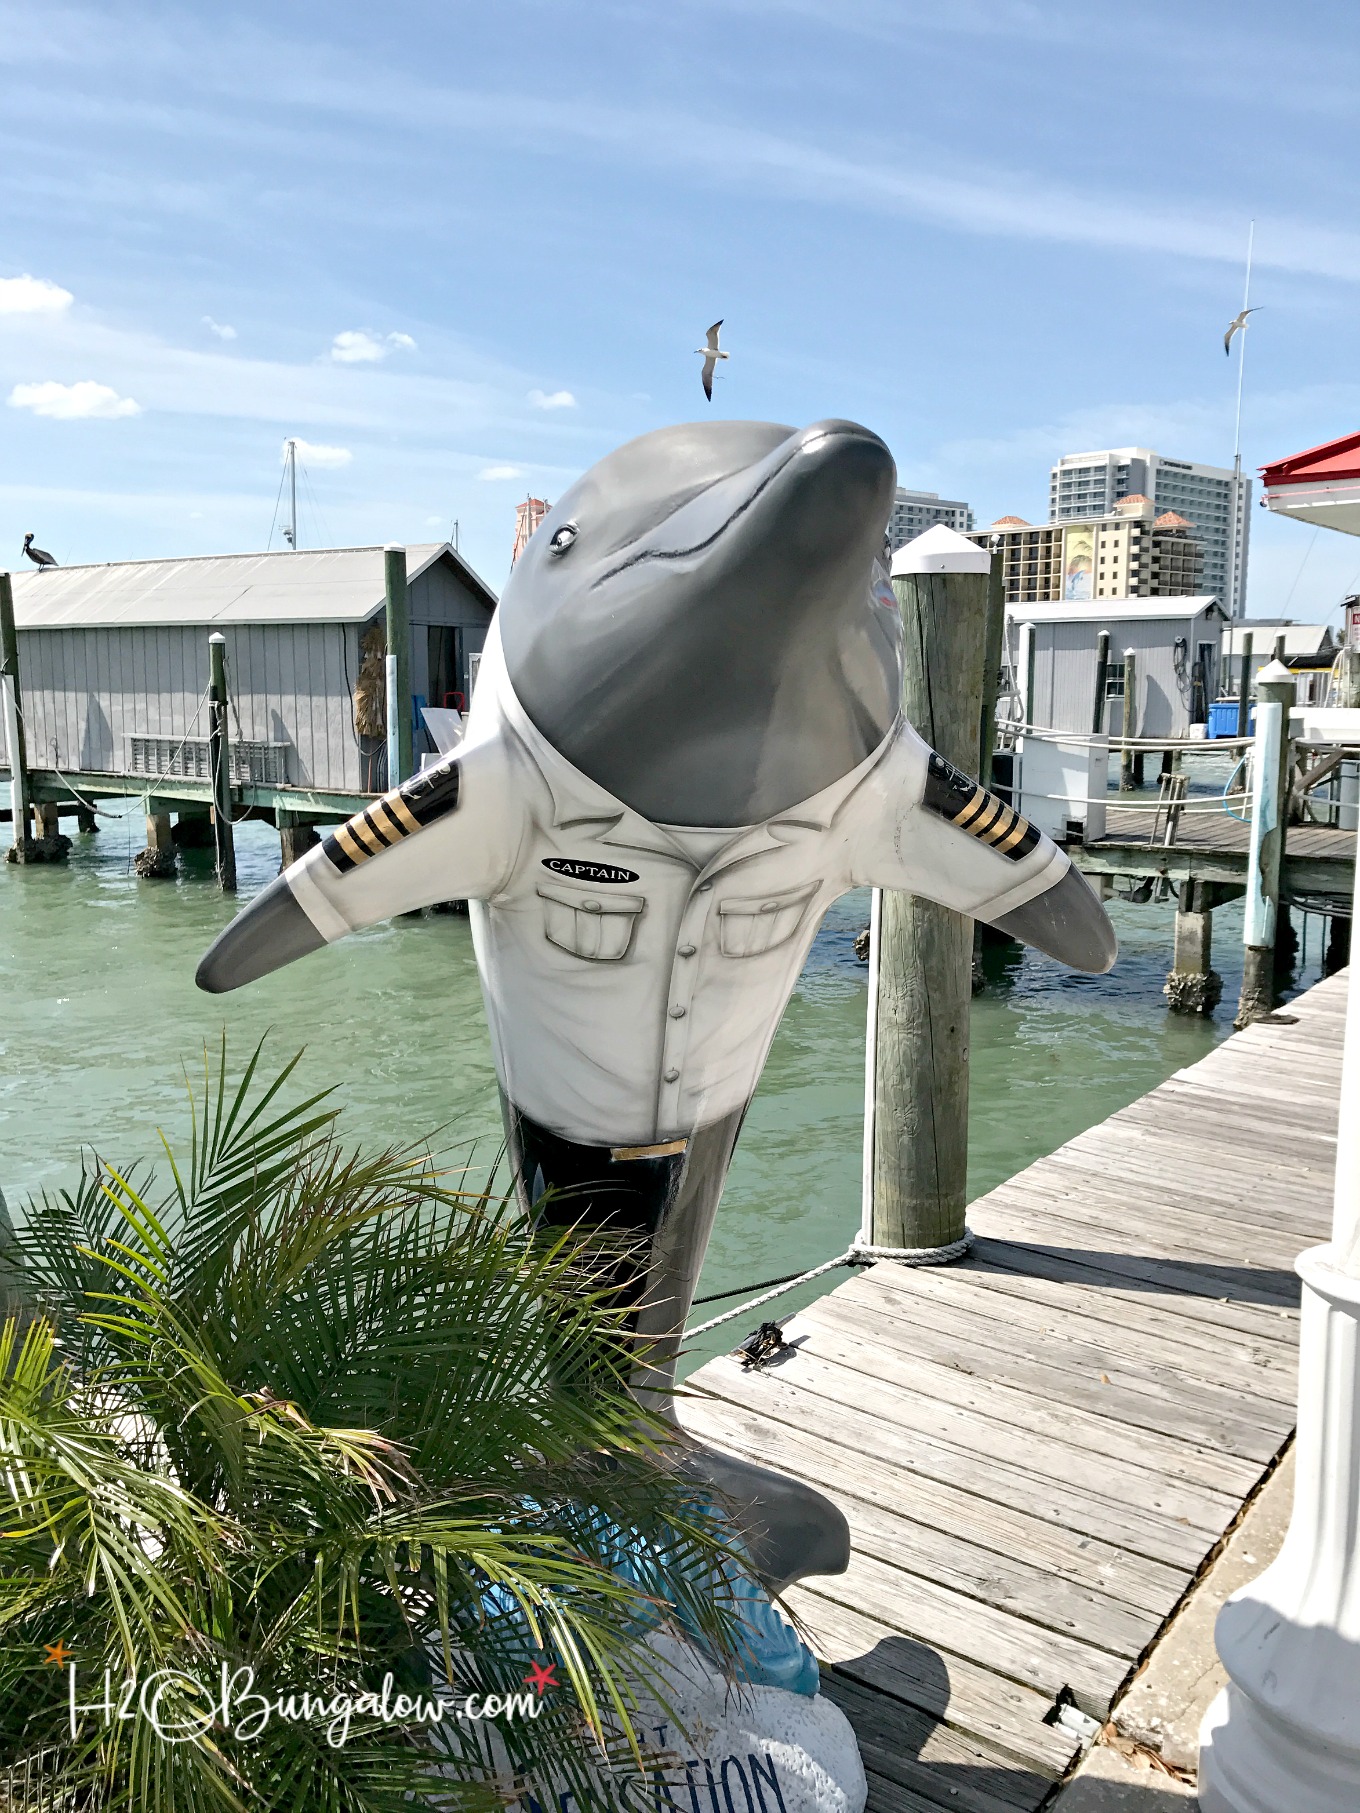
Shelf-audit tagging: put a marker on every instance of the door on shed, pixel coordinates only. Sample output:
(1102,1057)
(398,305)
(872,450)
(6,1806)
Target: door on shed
(445,646)
(1206,679)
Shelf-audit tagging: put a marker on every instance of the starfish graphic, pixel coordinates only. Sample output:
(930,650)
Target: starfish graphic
(56,1652)
(540,1676)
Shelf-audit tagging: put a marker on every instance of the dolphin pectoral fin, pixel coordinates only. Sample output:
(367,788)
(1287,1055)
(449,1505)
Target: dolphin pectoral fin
(1067,922)
(790,1530)
(273,930)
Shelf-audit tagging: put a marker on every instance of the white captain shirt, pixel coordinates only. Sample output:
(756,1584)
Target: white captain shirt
(634,973)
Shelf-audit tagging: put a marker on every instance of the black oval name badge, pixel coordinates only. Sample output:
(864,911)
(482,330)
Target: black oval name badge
(577,870)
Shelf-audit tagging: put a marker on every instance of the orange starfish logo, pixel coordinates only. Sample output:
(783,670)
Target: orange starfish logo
(56,1652)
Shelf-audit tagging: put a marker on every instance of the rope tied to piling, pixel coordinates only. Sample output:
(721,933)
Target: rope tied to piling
(861,1253)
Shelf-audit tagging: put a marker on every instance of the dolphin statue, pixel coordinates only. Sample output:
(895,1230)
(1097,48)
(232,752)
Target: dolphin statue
(687,740)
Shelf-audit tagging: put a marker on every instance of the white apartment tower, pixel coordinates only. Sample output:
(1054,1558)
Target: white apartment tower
(1214,499)
(914,512)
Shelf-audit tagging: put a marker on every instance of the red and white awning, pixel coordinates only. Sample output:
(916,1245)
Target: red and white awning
(1321,485)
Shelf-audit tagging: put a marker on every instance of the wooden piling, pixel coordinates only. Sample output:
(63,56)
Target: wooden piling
(1272,766)
(12,704)
(1128,775)
(1102,682)
(296,837)
(1194,986)
(1244,688)
(918,1140)
(1348,678)
(399,652)
(157,861)
(219,763)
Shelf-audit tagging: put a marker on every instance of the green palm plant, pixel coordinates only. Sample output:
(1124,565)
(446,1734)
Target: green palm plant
(325,1415)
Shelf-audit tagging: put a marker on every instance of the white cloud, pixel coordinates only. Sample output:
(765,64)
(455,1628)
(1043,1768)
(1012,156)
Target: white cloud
(494,472)
(354,347)
(433,522)
(556,399)
(316,453)
(222,332)
(32,296)
(73,402)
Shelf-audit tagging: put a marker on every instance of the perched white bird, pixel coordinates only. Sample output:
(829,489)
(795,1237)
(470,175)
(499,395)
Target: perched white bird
(710,355)
(1238,320)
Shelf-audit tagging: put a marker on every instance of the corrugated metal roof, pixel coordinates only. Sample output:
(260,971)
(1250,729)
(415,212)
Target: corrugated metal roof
(315,585)
(1299,638)
(1101,610)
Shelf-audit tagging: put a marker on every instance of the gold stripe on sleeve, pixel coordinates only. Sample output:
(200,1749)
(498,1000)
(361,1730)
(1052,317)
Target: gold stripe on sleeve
(1018,831)
(363,828)
(402,812)
(971,810)
(983,826)
(350,844)
(387,821)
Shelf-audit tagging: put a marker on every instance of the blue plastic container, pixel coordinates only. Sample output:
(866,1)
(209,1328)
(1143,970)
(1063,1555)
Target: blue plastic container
(1223,718)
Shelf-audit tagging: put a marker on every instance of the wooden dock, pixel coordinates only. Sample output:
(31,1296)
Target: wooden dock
(1038,1449)
(1213,847)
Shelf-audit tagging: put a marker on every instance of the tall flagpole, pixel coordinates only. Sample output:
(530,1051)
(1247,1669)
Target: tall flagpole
(1237,431)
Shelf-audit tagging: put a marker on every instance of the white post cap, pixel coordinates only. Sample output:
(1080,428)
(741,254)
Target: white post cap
(1273,671)
(941,550)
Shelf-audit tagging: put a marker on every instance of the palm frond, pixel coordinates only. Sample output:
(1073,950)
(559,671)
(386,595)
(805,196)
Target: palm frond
(323,1413)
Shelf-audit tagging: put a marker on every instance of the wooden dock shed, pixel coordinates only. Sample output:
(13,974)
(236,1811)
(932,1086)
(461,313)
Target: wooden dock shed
(1176,642)
(113,661)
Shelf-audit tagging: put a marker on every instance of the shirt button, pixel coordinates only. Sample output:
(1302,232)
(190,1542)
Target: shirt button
(677,1013)
(705,887)
(672,1076)
(686,950)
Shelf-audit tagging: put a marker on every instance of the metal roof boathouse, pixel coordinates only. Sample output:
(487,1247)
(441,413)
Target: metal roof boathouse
(114,663)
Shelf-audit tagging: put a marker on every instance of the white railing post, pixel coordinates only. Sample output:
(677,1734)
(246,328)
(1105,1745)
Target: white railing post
(1285,1732)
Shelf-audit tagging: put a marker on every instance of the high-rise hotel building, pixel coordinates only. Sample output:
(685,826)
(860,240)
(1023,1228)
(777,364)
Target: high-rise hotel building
(1214,500)
(914,512)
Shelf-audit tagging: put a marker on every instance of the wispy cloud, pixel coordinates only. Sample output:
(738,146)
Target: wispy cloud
(355,347)
(32,296)
(552,399)
(86,401)
(498,472)
(317,453)
(219,328)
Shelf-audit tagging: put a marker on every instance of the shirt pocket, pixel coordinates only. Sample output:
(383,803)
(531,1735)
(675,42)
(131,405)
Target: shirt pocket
(588,922)
(750,926)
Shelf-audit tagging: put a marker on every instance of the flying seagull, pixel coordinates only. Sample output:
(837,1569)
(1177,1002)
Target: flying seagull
(711,354)
(39,556)
(1239,320)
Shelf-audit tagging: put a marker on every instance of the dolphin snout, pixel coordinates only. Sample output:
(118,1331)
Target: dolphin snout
(832,493)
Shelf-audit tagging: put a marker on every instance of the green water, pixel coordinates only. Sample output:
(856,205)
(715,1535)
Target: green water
(99,1014)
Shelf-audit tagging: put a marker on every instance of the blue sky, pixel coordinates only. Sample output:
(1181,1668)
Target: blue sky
(464,250)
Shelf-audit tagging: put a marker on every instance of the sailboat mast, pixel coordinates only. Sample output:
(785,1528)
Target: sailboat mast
(1242,350)
(292,495)
(1237,603)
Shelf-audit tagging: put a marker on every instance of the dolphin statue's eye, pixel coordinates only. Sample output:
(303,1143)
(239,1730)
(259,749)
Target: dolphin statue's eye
(563,537)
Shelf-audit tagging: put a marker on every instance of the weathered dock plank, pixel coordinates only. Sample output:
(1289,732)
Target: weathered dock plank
(1039,1448)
